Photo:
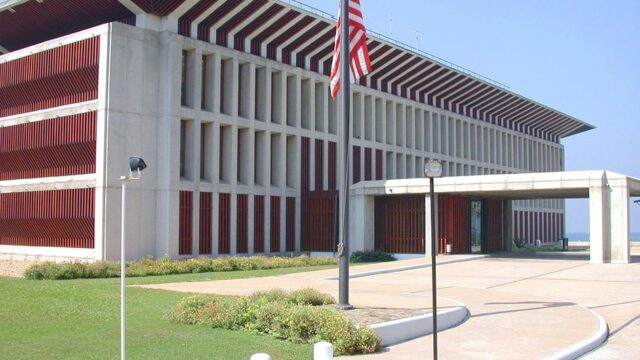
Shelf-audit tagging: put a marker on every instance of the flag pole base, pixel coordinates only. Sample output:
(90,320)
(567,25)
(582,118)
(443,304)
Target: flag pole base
(344,306)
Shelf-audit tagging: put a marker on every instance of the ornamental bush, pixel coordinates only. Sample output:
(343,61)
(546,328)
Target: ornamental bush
(289,316)
(167,266)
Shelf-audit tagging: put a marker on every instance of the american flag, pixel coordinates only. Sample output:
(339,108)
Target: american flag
(360,64)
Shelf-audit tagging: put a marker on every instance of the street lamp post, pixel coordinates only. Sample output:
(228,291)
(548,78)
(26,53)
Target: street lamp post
(433,169)
(136,165)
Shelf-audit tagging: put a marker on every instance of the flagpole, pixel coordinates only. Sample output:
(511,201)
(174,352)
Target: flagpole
(343,192)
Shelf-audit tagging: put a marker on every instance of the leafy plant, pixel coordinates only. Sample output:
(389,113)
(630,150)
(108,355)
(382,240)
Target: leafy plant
(519,243)
(293,316)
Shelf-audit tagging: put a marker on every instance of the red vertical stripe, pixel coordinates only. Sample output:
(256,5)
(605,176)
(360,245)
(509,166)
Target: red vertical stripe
(356,164)
(242,219)
(224,224)
(291,224)
(378,164)
(258,224)
(319,159)
(304,165)
(185,223)
(332,165)
(205,223)
(367,164)
(275,224)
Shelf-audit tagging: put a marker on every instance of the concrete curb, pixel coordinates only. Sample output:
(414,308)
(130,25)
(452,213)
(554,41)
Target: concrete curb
(587,345)
(408,267)
(396,331)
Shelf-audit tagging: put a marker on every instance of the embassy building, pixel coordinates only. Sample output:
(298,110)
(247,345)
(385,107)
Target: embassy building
(228,102)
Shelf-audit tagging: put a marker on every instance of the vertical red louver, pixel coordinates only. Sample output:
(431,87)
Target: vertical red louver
(291,224)
(242,228)
(64,75)
(59,218)
(205,239)
(378,164)
(356,164)
(399,226)
(224,224)
(367,164)
(319,227)
(319,165)
(55,147)
(332,165)
(185,223)
(258,224)
(494,215)
(275,224)
(304,165)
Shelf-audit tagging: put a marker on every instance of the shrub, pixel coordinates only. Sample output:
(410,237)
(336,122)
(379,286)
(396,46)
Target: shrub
(280,314)
(370,256)
(166,266)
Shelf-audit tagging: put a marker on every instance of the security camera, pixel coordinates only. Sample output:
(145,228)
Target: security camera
(136,164)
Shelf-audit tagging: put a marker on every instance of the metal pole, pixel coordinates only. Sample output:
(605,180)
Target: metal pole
(343,246)
(122,266)
(434,300)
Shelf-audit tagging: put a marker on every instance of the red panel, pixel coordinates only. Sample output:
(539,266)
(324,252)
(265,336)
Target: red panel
(291,225)
(319,164)
(185,224)
(34,22)
(455,223)
(224,224)
(494,211)
(304,165)
(378,164)
(205,222)
(59,218)
(400,224)
(356,164)
(275,224)
(332,165)
(56,147)
(205,25)
(367,164)
(64,75)
(242,228)
(319,221)
(258,223)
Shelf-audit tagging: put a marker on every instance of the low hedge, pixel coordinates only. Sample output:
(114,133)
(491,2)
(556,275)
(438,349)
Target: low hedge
(295,316)
(167,266)
(370,256)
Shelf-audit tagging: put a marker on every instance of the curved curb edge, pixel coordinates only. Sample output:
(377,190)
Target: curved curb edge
(591,343)
(397,331)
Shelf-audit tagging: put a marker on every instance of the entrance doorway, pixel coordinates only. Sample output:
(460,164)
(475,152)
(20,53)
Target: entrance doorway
(478,227)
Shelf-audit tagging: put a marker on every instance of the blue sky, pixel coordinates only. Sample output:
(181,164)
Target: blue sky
(581,57)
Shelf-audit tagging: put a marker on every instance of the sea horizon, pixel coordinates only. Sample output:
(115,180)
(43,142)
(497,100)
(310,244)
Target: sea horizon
(584,236)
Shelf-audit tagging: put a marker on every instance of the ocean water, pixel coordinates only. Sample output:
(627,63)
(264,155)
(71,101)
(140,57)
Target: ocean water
(576,236)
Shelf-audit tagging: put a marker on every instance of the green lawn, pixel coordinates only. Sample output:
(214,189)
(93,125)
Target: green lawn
(80,319)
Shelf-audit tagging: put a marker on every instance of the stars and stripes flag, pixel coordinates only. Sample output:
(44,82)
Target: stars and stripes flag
(360,64)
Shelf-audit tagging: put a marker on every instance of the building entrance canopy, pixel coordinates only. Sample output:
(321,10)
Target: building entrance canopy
(608,193)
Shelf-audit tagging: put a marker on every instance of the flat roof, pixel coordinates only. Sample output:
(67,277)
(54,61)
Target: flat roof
(546,185)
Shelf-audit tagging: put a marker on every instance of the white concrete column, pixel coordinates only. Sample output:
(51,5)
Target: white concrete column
(619,220)
(361,223)
(599,220)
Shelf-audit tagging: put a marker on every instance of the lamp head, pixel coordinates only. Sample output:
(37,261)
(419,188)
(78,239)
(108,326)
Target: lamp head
(136,164)
(433,169)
